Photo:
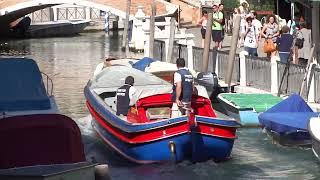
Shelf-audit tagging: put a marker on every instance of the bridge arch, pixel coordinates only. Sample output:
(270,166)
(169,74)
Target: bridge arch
(23,7)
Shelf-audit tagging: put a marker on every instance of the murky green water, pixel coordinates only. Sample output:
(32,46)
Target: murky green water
(71,61)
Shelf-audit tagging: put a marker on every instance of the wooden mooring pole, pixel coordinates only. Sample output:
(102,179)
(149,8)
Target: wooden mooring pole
(207,42)
(125,43)
(153,14)
(233,50)
(171,39)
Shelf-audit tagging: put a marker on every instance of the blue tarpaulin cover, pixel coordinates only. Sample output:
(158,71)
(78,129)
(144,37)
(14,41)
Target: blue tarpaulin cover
(289,115)
(22,87)
(143,63)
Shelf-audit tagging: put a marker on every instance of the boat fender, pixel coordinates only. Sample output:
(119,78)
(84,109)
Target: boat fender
(101,172)
(172,148)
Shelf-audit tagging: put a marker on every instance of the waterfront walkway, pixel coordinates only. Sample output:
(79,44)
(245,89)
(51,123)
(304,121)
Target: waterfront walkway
(226,45)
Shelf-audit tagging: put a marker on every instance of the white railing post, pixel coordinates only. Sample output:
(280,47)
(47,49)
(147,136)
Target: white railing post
(146,30)
(217,64)
(137,31)
(274,76)
(243,70)
(190,44)
(55,13)
(88,14)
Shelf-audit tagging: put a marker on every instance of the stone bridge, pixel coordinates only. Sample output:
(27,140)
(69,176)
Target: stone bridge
(11,10)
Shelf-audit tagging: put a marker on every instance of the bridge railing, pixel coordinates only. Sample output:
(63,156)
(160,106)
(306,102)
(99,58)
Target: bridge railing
(65,13)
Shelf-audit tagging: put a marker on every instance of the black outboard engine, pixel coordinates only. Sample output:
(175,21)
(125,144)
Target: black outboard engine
(210,82)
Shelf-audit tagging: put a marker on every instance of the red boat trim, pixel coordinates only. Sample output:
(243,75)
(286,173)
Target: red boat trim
(219,124)
(163,132)
(119,151)
(217,131)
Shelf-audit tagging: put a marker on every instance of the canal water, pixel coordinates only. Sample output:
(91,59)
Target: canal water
(70,62)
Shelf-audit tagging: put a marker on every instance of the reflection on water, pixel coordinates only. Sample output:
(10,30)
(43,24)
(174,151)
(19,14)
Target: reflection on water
(70,62)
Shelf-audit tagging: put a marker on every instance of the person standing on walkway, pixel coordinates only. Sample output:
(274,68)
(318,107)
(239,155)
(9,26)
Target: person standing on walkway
(183,87)
(221,6)
(255,22)
(284,43)
(251,35)
(270,30)
(217,27)
(305,35)
(203,23)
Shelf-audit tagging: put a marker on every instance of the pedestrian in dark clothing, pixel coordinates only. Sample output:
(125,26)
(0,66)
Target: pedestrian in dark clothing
(284,43)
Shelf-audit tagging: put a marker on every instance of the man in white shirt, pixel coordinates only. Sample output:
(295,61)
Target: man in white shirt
(255,22)
(182,88)
(251,36)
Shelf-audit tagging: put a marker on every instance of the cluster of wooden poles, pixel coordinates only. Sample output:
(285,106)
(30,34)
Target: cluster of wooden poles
(232,52)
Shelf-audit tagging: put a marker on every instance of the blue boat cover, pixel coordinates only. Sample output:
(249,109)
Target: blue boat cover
(143,63)
(289,115)
(22,87)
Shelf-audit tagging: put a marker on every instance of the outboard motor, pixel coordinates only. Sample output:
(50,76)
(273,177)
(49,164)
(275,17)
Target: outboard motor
(210,82)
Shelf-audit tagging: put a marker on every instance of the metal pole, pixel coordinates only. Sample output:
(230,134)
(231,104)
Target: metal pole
(171,39)
(233,49)
(307,74)
(315,27)
(153,13)
(126,25)
(207,42)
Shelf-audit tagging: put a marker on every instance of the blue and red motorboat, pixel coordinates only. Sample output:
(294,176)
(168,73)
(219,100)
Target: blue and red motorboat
(150,132)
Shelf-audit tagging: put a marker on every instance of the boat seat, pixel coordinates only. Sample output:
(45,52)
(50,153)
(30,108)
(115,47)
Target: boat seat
(111,102)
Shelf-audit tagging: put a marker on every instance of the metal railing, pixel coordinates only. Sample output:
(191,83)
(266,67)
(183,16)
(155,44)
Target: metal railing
(292,79)
(70,13)
(222,58)
(159,50)
(258,72)
(197,53)
(180,51)
(47,83)
(317,84)
(42,15)
(197,58)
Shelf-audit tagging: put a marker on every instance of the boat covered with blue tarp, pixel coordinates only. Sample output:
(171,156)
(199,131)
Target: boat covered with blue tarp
(22,86)
(288,120)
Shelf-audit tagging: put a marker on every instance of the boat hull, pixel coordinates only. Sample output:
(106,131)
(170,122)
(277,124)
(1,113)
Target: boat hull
(79,171)
(192,146)
(246,116)
(298,138)
(313,128)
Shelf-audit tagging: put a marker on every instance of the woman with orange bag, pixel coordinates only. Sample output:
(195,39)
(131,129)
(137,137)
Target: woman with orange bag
(270,32)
